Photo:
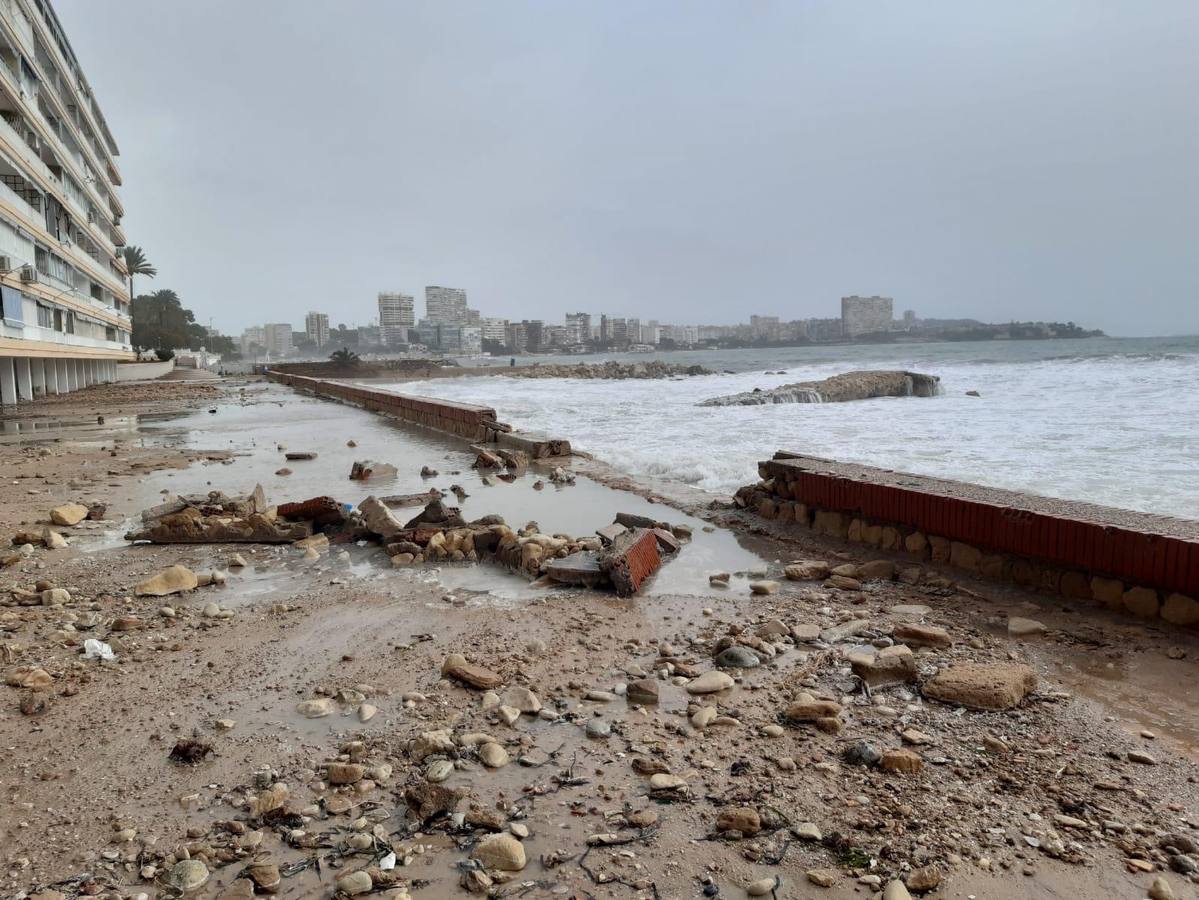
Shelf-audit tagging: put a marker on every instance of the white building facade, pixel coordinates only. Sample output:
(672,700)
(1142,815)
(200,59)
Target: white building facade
(397,314)
(64,293)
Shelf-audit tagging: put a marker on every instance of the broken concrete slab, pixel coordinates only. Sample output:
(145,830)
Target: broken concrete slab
(582,568)
(365,469)
(994,686)
(630,560)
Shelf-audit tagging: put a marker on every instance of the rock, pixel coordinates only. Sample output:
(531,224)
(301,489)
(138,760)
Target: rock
(493,755)
(68,514)
(598,728)
(719,579)
(710,683)
(237,561)
(738,657)
(53,540)
(762,887)
(993,686)
(664,781)
(32,678)
(703,717)
(1141,601)
(1180,610)
(877,570)
(266,876)
(807,831)
(837,633)
(1160,889)
(367,711)
(345,773)
(172,580)
(763,587)
(806,631)
(500,851)
(904,761)
(896,890)
(861,753)
(916,738)
(890,666)
(922,635)
(524,700)
(1144,759)
(1017,626)
(478,677)
(843,583)
(439,770)
(55,597)
(807,570)
(811,710)
(923,879)
(643,691)
(739,818)
(188,876)
(315,709)
(354,883)
(822,877)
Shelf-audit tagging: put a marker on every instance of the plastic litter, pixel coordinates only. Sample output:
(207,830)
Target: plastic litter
(94,649)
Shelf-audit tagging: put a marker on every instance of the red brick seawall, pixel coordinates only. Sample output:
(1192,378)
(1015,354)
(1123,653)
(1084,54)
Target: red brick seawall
(464,420)
(1144,564)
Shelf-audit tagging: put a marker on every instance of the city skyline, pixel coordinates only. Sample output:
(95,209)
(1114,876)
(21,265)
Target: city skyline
(1020,161)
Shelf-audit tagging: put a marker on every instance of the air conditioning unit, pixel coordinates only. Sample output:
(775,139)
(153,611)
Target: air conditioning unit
(28,274)
(5,265)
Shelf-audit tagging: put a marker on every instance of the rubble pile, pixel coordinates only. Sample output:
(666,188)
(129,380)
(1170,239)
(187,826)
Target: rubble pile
(218,519)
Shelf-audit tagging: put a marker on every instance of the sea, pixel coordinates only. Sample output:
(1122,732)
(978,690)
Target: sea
(1113,421)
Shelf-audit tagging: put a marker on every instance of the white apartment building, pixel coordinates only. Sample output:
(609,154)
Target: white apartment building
(397,314)
(64,292)
(278,339)
(445,305)
(866,315)
(253,341)
(316,326)
(493,329)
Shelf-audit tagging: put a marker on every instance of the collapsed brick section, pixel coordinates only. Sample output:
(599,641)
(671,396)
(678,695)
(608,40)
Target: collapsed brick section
(631,558)
(319,510)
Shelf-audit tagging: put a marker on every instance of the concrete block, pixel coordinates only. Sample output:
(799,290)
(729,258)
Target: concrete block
(892,538)
(872,535)
(831,523)
(855,531)
(1107,591)
(1180,609)
(940,548)
(916,543)
(964,556)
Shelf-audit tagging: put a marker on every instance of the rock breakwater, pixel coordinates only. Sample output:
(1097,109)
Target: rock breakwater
(610,369)
(838,389)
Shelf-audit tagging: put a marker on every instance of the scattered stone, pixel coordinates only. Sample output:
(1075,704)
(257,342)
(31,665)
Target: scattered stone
(643,691)
(1017,626)
(922,635)
(763,887)
(993,686)
(173,580)
(822,877)
(740,818)
(501,851)
(598,728)
(68,514)
(315,709)
(188,876)
(493,755)
(345,773)
(807,831)
(807,570)
(904,761)
(811,710)
(738,657)
(1160,889)
(896,890)
(478,677)
(926,878)
(763,587)
(861,753)
(1144,759)
(354,883)
(710,683)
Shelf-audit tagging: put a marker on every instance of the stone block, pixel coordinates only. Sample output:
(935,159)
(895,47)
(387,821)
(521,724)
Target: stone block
(964,556)
(872,535)
(940,548)
(803,515)
(1180,609)
(767,508)
(1024,573)
(1107,591)
(831,523)
(1076,585)
(1142,601)
(892,538)
(995,565)
(916,543)
(855,530)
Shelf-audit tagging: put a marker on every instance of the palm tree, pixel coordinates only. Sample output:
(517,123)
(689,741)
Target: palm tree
(137,264)
(344,358)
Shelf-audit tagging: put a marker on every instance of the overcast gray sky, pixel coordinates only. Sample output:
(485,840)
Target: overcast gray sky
(685,161)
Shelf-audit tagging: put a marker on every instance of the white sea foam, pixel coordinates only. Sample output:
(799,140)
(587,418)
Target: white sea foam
(1113,422)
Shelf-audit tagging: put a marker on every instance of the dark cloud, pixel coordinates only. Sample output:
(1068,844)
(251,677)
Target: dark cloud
(686,161)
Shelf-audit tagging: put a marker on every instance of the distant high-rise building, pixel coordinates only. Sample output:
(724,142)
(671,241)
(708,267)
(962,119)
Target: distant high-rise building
(397,314)
(578,328)
(494,330)
(316,326)
(866,315)
(443,304)
(278,339)
(253,341)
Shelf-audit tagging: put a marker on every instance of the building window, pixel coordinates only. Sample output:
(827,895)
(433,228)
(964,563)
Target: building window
(45,316)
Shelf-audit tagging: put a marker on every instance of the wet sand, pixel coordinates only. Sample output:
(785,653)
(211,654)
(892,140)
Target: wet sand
(94,761)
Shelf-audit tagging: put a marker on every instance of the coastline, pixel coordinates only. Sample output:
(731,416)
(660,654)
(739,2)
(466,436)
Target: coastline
(303,628)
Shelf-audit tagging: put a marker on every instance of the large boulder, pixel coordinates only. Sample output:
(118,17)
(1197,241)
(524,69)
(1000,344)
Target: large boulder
(994,686)
(68,514)
(172,580)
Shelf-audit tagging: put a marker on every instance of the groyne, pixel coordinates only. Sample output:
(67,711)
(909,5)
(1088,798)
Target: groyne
(1143,564)
(478,424)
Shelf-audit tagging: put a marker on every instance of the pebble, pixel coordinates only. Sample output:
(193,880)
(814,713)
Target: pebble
(762,887)
(501,851)
(493,755)
(598,728)
(710,683)
(763,587)
(738,657)
(354,883)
